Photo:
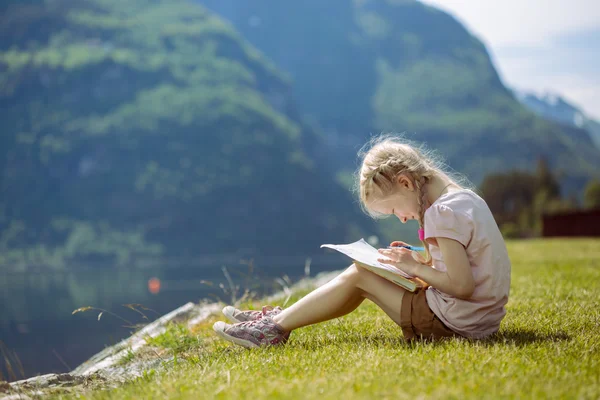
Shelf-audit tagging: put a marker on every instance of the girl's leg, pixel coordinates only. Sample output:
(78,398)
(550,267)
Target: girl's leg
(342,295)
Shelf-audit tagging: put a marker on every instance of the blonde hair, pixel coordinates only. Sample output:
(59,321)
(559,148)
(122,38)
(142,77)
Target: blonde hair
(387,156)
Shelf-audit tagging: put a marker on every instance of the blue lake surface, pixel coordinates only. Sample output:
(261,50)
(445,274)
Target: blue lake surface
(39,333)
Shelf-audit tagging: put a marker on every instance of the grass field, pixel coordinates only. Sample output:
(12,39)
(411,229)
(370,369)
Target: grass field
(548,347)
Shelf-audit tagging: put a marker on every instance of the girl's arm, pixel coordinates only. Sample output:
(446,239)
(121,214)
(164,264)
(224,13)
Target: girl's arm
(458,279)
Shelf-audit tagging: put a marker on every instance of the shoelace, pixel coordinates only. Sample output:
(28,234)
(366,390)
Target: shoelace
(249,323)
(253,313)
(263,313)
(266,309)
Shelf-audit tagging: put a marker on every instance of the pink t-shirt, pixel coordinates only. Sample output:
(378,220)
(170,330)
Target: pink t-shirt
(465,217)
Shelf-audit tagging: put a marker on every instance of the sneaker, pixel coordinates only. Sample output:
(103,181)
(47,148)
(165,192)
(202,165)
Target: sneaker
(253,334)
(235,315)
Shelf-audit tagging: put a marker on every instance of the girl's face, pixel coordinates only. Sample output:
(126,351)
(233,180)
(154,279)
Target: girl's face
(402,202)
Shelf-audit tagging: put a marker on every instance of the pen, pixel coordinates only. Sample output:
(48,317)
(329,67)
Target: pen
(413,248)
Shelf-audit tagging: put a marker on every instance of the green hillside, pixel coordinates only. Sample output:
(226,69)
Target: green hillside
(365,66)
(136,129)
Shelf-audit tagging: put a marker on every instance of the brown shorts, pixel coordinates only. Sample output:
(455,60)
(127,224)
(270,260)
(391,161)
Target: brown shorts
(418,321)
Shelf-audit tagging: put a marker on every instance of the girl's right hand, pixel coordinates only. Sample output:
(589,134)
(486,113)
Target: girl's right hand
(416,256)
(397,243)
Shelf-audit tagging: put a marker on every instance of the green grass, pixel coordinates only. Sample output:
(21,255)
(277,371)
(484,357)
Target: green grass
(548,347)
(176,338)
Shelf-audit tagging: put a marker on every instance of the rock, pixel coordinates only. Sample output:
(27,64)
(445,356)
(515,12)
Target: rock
(48,380)
(4,386)
(16,397)
(112,355)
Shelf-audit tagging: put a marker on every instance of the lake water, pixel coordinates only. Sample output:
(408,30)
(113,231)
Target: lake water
(39,334)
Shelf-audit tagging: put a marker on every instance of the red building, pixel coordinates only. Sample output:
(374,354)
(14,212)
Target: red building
(572,223)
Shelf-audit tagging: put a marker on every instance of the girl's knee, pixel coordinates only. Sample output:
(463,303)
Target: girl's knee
(364,279)
(355,274)
(353,271)
(350,274)
(358,270)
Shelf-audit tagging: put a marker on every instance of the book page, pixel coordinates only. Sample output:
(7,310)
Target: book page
(365,253)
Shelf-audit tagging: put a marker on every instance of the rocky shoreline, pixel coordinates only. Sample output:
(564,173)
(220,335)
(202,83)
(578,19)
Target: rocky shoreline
(106,370)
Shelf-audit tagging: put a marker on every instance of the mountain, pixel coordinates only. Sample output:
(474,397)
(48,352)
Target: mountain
(555,108)
(133,130)
(366,66)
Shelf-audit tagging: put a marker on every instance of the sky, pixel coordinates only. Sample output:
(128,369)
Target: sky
(539,45)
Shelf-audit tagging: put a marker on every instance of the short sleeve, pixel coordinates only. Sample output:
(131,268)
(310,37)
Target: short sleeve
(442,221)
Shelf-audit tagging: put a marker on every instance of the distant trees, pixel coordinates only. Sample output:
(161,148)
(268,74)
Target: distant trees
(518,199)
(591,197)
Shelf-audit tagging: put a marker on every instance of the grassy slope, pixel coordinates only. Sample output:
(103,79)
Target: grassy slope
(548,347)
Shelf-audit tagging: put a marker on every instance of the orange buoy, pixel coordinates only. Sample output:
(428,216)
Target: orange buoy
(154,285)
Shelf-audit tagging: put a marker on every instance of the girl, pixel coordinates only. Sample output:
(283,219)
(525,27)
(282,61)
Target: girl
(466,263)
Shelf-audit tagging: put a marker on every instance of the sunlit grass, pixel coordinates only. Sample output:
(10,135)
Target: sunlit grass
(548,347)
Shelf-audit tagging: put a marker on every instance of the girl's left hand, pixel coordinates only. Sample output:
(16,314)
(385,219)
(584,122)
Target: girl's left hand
(400,258)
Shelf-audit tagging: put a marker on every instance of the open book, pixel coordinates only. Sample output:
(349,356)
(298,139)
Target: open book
(366,256)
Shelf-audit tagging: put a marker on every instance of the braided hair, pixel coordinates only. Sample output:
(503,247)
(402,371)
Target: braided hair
(386,157)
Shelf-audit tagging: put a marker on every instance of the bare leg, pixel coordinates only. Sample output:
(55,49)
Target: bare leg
(342,295)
